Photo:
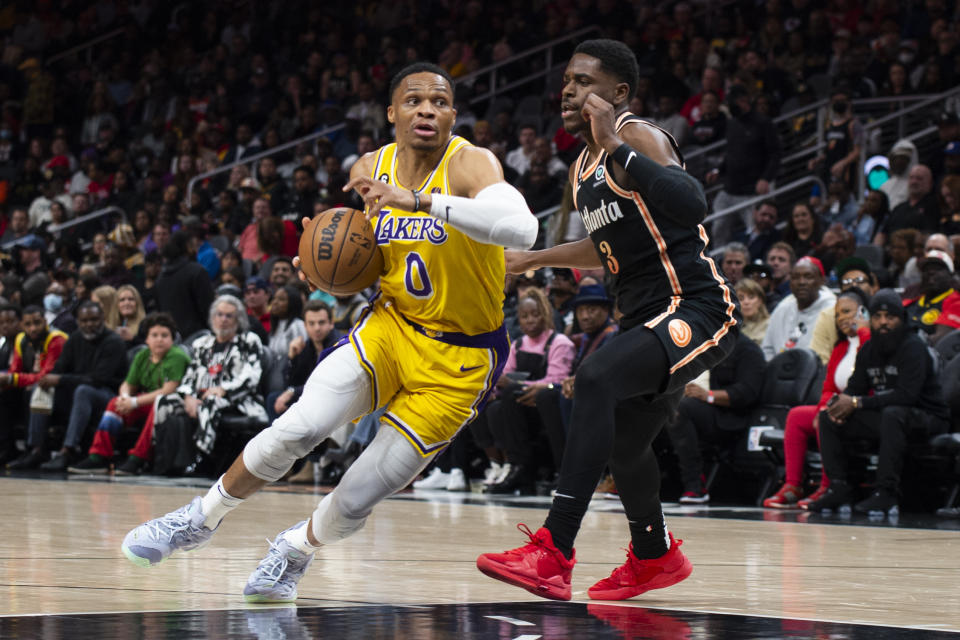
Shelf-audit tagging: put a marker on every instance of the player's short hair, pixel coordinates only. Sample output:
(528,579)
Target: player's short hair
(615,58)
(420,67)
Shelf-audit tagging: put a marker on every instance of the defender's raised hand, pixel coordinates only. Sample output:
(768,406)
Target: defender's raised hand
(601,116)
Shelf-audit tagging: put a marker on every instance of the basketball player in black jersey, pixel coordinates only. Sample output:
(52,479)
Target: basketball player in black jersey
(680,317)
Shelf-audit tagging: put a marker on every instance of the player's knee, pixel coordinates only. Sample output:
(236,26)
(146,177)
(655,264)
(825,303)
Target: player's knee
(335,519)
(272,452)
(589,381)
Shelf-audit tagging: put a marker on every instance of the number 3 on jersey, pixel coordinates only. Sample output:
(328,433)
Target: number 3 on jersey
(607,252)
(417,273)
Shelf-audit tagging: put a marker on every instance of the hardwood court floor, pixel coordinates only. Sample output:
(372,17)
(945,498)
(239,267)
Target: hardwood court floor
(60,554)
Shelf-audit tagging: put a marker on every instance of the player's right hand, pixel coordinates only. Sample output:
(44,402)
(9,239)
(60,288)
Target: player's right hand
(296,266)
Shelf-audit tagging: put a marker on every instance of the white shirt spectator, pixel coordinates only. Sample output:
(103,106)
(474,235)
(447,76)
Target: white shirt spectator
(518,160)
(792,328)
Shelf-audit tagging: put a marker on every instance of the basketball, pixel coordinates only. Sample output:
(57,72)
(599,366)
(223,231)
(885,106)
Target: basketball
(339,252)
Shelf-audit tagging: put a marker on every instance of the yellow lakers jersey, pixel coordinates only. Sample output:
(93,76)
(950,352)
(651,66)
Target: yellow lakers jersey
(436,276)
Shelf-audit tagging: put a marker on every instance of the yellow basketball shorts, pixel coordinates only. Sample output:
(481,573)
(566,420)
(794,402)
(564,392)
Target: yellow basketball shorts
(433,383)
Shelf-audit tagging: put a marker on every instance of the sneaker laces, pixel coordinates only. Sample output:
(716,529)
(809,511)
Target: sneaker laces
(534,543)
(629,570)
(170,525)
(273,566)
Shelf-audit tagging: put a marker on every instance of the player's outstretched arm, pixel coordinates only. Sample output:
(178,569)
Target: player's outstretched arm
(647,157)
(482,206)
(575,255)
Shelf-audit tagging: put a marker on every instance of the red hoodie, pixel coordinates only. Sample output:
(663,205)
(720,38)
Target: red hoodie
(52,346)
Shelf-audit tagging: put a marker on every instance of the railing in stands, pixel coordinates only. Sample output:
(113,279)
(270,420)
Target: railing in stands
(490,71)
(911,118)
(99,213)
(257,156)
(791,186)
(86,46)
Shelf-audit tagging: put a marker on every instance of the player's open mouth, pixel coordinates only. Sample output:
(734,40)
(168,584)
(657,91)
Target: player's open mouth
(568,110)
(424,130)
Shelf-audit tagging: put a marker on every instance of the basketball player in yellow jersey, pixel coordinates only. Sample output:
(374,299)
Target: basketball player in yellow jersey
(430,346)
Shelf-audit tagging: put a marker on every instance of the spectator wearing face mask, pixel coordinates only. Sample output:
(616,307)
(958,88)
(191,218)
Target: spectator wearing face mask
(843,137)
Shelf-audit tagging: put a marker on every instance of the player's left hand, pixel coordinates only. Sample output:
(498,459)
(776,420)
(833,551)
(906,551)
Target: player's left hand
(377,194)
(599,113)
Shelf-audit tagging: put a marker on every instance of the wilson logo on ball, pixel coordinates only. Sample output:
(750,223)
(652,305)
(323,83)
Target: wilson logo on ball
(327,234)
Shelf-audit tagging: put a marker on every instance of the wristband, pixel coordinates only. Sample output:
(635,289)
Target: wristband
(856,404)
(416,200)
(133,399)
(710,397)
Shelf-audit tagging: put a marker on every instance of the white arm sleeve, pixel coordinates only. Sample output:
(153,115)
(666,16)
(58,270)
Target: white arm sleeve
(497,215)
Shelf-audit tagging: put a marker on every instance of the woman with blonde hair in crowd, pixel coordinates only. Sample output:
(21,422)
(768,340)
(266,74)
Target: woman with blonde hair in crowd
(130,313)
(754,309)
(106,297)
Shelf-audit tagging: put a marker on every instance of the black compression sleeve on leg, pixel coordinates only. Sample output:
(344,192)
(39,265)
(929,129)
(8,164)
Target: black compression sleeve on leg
(670,189)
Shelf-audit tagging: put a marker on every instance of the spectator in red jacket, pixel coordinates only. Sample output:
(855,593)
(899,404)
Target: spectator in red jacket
(35,351)
(853,330)
(46,345)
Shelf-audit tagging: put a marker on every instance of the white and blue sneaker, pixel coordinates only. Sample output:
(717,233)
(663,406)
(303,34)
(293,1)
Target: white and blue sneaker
(152,542)
(275,578)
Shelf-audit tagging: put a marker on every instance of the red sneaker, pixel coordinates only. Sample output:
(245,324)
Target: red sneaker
(538,566)
(785,498)
(637,576)
(813,497)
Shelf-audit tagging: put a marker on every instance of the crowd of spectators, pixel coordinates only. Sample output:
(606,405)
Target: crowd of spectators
(122,130)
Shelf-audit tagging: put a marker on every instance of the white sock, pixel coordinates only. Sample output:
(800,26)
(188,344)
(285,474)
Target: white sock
(298,539)
(216,504)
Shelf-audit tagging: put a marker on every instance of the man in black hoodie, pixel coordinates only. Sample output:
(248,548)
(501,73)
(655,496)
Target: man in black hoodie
(184,289)
(893,395)
(89,370)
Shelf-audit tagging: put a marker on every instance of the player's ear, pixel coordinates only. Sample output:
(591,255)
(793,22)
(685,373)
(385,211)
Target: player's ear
(621,93)
(390,115)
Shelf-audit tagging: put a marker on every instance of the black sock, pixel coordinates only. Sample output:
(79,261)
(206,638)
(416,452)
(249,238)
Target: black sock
(563,521)
(649,536)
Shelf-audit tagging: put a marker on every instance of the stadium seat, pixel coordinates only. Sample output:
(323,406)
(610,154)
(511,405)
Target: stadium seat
(132,353)
(871,253)
(793,378)
(949,444)
(949,346)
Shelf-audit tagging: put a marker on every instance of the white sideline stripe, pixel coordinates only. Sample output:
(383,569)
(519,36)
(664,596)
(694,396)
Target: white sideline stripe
(528,637)
(513,621)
